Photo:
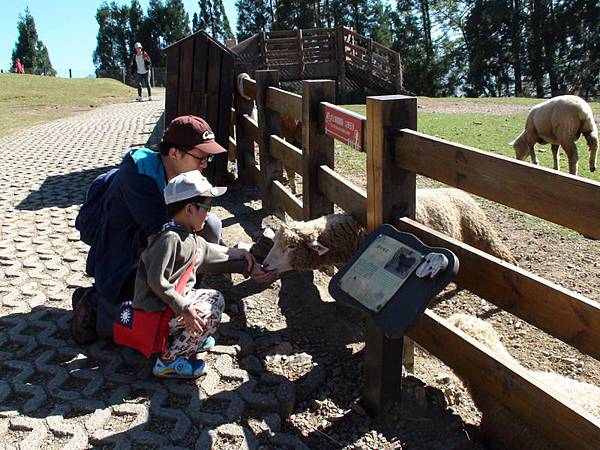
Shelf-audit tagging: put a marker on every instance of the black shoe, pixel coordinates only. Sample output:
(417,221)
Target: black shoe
(78,294)
(83,322)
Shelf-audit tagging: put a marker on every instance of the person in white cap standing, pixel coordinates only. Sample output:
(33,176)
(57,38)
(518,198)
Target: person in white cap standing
(140,69)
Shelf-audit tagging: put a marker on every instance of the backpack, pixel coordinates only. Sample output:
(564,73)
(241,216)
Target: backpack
(90,215)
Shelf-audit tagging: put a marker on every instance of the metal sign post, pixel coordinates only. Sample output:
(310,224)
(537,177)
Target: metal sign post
(391,279)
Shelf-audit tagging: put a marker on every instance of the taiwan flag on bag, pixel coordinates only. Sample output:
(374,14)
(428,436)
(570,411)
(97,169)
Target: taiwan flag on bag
(147,332)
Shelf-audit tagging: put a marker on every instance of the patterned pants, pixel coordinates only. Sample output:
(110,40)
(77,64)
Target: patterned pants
(185,344)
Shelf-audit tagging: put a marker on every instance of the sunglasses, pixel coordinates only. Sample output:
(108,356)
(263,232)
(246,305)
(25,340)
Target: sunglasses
(206,159)
(203,206)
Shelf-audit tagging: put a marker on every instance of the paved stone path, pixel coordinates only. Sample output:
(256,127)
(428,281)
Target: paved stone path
(56,394)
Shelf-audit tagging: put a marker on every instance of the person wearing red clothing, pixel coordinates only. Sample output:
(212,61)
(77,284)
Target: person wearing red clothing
(18,66)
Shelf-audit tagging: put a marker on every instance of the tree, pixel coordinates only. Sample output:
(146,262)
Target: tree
(114,38)
(43,65)
(254,16)
(381,29)
(26,45)
(213,20)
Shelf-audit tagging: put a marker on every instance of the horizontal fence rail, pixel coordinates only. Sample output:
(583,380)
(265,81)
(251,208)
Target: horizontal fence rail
(560,198)
(534,403)
(289,155)
(561,313)
(285,102)
(250,88)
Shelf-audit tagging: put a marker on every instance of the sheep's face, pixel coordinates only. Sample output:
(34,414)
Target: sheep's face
(291,252)
(521,147)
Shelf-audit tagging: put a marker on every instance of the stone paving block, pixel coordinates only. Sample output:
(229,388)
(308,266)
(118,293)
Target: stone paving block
(78,437)
(244,438)
(36,428)
(20,385)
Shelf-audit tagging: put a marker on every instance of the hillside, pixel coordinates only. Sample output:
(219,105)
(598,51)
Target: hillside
(28,100)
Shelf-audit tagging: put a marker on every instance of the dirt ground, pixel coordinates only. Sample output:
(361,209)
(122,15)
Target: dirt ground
(430,105)
(436,411)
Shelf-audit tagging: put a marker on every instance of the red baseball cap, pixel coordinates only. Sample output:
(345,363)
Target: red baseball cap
(192,131)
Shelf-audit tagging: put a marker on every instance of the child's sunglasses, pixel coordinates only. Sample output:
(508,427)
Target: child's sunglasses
(203,206)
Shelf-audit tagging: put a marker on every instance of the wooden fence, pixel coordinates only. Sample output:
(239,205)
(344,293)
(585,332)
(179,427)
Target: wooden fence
(355,61)
(395,154)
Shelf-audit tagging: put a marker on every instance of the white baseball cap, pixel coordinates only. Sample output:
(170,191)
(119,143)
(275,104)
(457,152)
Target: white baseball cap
(189,185)
(137,45)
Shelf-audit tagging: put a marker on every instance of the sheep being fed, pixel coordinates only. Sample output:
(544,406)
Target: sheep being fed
(333,239)
(559,121)
(501,428)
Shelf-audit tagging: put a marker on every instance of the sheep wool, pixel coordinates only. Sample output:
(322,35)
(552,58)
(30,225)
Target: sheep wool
(454,213)
(559,121)
(499,427)
(340,233)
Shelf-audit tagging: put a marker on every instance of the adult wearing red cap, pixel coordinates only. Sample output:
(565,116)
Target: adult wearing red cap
(133,209)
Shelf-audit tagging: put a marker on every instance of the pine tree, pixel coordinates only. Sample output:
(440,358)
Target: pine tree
(177,22)
(43,65)
(253,17)
(381,29)
(136,19)
(213,19)
(26,45)
(115,37)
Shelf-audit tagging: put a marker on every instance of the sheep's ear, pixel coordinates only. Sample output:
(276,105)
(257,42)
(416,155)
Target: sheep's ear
(318,247)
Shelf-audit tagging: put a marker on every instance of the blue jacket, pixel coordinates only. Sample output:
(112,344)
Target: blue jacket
(133,209)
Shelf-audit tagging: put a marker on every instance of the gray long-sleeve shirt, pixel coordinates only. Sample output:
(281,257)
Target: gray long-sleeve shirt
(164,261)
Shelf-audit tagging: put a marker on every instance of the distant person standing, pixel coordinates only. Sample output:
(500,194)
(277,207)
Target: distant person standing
(18,66)
(140,68)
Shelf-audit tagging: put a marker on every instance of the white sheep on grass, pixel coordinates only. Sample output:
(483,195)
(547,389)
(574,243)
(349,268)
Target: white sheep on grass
(498,425)
(333,239)
(559,121)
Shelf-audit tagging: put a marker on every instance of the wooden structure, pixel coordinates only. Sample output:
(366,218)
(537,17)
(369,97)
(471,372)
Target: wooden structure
(395,154)
(200,82)
(353,60)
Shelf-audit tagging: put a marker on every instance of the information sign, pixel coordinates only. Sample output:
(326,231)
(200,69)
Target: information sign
(380,271)
(344,126)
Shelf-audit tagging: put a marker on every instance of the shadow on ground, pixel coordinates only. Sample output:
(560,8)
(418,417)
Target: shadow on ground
(69,189)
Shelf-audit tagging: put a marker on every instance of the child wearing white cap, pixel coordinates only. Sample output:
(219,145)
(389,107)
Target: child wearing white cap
(164,286)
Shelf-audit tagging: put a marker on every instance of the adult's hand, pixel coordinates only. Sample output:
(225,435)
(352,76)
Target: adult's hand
(261,276)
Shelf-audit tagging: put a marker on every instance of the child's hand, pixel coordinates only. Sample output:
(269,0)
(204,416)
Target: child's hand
(245,254)
(192,320)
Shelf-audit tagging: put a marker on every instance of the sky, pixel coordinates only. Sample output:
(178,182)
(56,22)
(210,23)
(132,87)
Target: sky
(69,29)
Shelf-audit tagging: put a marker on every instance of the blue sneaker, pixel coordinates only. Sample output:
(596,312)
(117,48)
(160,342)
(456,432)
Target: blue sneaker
(179,368)
(208,344)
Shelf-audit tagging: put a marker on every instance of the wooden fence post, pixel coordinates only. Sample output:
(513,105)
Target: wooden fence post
(270,168)
(317,147)
(391,193)
(340,56)
(244,144)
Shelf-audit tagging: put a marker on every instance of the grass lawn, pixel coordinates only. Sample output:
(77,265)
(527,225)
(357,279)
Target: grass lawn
(27,100)
(483,131)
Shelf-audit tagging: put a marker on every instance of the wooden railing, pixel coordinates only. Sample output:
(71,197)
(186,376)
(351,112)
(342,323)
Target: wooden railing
(338,53)
(395,154)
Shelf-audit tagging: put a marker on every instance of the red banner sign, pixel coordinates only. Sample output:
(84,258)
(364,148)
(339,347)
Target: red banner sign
(344,126)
